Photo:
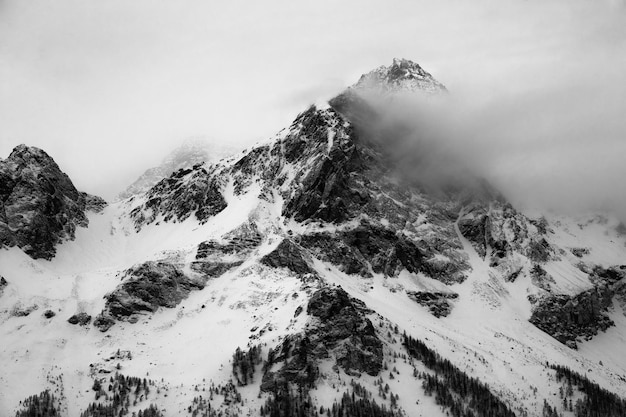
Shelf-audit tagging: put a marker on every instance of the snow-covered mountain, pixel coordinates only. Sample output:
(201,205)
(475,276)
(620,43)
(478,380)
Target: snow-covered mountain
(308,276)
(192,151)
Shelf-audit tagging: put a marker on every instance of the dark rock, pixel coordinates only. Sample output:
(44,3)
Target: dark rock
(256,164)
(39,205)
(609,275)
(213,269)
(513,275)
(579,252)
(82,319)
(181,195)
(329,189)
(437,302)
(337,329)
(299,365)
(243,238)
(541,224)
(540,278)
(493,224)
(94,203)
(332,248)
(288,255)
(20,311)
(3,284)
(568,318)
(147,287)
(214,258)
(539,250)
(212,248)
(49,314)
(368,246)
(327,192)
(474,229)
(103,322)
(343,327)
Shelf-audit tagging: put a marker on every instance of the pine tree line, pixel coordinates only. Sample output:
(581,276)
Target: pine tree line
(463,395)
(100,410)
(244,363)
(598,402)
(354,406)
(43,405)
(119,394)
(286,402)
(548,410)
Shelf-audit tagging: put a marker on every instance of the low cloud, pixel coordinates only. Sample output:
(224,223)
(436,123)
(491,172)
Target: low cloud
(559,144)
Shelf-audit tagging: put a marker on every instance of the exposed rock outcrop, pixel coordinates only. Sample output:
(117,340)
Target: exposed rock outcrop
(369,248)
(94,203)
(39,205)
(213,258)
(81,319)
(339,325)
(337,330)
(439,303)
(19,310)
(176,200)
(569,318)
(473,226)
(497,231)
(329,189)
(541,279)
(610,275)
(384,250)
(288,255)
(145,288)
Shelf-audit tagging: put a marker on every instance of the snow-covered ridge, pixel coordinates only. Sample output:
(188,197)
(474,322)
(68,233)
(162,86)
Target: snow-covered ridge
(402,75)
(254,248)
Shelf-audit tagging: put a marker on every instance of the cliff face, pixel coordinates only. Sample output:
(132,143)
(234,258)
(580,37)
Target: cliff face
(571,319)
(336,328)
(39,205)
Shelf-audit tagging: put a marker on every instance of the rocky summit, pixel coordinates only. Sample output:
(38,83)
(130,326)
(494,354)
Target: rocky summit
(39,205)
(313,274)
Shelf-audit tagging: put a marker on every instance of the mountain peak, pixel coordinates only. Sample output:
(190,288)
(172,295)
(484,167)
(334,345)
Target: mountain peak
(22,150)
(39,205)
(402,75)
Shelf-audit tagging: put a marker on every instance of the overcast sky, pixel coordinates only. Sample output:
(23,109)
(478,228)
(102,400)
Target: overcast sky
(108,87)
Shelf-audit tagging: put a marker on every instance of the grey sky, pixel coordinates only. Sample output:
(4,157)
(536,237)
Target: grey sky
(108,87)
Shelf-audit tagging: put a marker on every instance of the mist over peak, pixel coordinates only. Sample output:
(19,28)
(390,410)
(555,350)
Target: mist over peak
(556,146)
(402,75)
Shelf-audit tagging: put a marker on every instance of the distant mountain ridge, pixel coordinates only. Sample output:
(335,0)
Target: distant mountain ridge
(191,152)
